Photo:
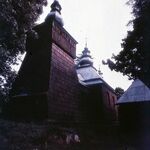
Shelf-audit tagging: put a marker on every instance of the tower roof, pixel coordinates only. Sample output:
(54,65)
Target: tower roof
(85,59)
(86,72)
(88,75)
(56,6)
(55,13)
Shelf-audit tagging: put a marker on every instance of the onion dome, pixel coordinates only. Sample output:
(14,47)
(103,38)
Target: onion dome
(55,13)
(85,59)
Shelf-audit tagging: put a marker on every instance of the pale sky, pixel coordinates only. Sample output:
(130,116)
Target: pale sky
(103,23)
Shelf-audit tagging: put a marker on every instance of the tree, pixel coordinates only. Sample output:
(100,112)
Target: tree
(17,17)
(119,92)
(134,58)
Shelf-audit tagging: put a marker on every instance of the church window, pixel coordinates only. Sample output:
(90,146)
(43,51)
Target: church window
(108,98)
(113,98)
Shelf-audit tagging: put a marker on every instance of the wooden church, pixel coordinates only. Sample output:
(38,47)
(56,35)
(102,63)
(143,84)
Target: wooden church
(51,85)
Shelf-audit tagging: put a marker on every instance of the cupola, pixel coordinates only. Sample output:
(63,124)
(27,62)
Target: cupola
(85,59)
(55,13)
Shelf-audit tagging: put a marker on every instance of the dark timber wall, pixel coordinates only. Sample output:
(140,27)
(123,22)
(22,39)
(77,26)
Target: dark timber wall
(47,84)
(63,84)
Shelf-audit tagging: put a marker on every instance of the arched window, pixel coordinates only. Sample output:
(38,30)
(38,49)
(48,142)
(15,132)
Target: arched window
(108,98)
(114,100)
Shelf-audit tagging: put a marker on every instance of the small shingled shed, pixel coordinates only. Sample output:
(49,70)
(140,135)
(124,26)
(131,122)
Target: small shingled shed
(134,107)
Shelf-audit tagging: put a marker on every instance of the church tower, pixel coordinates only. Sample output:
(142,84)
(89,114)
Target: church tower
(100,98)
(86,72)
(46,86)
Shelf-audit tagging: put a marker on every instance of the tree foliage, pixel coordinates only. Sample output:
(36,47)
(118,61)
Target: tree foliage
(17,17)
(134,58)
(119,92)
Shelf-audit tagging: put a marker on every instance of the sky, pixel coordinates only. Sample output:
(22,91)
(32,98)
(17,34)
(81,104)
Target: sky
(103,24)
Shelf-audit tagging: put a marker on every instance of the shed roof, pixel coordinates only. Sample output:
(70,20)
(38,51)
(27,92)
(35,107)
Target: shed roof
(137,92)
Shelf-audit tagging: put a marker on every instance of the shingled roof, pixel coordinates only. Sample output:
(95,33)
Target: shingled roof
(137,92)
(89,75)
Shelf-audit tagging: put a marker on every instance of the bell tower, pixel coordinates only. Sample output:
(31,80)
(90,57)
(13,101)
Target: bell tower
(46,86)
